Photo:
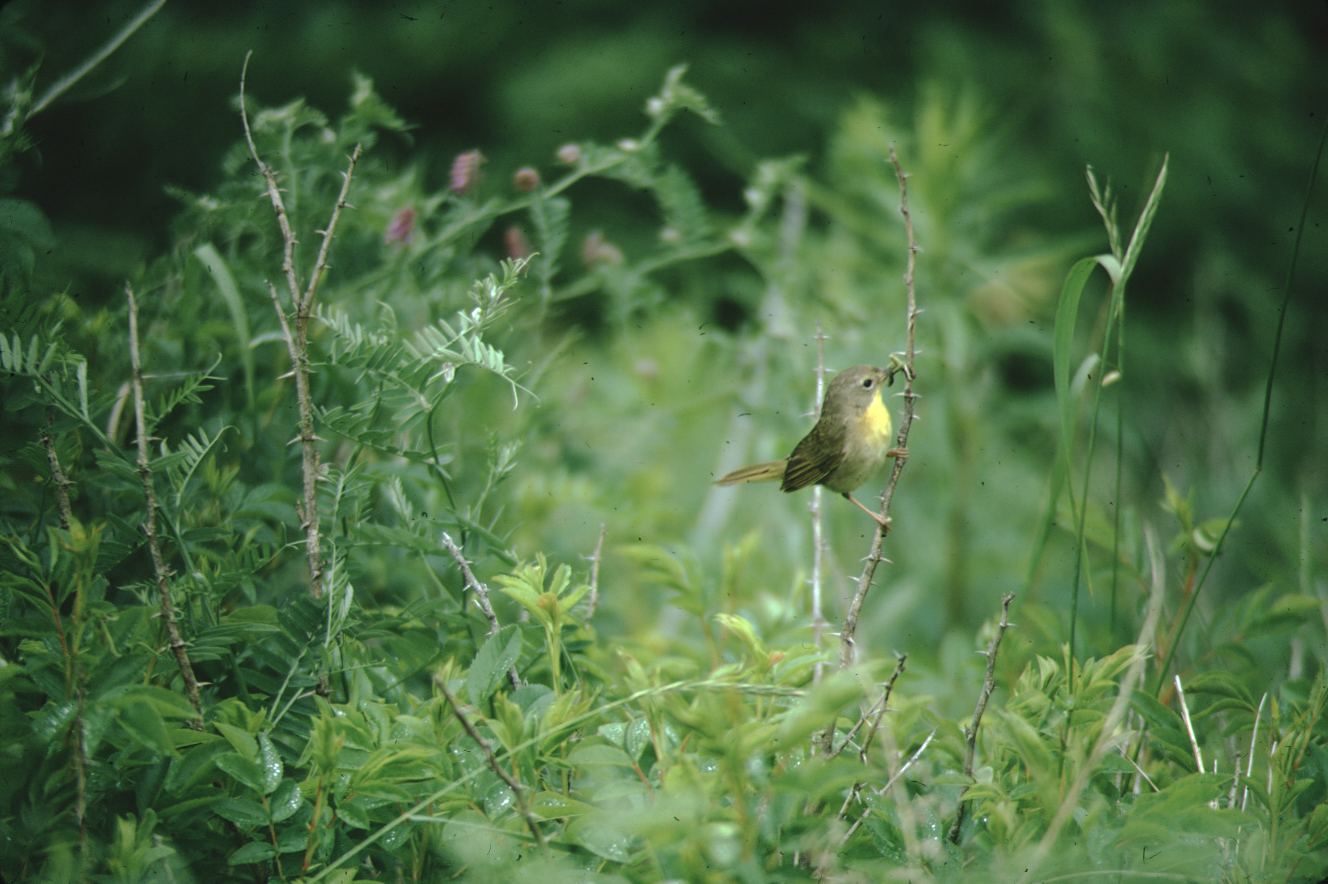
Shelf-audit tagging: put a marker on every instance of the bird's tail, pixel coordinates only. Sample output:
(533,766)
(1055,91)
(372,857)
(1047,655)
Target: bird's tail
(761,472)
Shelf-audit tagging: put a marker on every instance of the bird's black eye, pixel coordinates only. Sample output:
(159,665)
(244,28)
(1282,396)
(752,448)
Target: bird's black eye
(867,384)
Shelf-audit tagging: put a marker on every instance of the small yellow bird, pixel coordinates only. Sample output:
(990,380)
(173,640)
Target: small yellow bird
(845,448)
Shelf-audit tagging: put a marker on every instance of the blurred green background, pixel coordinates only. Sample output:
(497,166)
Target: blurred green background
(996,108)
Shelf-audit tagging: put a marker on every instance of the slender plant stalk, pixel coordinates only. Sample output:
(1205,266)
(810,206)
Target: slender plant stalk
(1263,426)
(818,528)
(971,732)
(594,571)
(60,86)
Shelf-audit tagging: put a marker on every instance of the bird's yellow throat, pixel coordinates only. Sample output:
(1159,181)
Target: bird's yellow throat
(876,420)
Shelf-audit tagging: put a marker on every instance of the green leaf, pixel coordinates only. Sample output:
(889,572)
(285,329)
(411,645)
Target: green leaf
(637,738)
(24,232)
(549,216)
(553,805)
(248,773)
(495,657)
(353,813)
(1154,712)
(596,754)
(292,839)
(599,834)
(285,800)
(818,708)
(1221,683)
(1286,614)
(141,719)
(253,852)
(269,763)
(1062,351)
(746,633)
(211,259)
(242,811)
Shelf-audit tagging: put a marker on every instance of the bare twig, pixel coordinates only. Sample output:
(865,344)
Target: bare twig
(821,870)
(971,732)
(882,705)
(874,556)
(58,478)
(894,778)
(177,644)
(518,791)
(297,339)
(274,194)
(481,591)
(481,596)
(873,715)
(594,570)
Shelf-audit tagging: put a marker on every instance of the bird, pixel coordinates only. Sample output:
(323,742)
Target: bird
(848,445)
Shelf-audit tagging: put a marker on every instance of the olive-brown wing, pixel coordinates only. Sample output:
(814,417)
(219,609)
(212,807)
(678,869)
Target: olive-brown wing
(815,457)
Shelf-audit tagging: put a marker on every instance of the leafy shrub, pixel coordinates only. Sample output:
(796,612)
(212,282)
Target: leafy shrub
(262,640)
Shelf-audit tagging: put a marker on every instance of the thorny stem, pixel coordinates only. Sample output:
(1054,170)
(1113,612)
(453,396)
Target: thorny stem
(875,556)
(176,643)
(594,570)
(873,714)
(58,478)
(297,340)
(518,791)
(481,595)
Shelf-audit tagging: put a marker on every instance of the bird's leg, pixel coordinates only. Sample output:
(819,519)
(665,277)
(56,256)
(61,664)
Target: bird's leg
(883,522)
(901,453)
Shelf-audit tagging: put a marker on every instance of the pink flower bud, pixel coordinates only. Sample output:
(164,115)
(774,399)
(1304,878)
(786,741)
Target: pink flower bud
(465,171)
(595,249)
(402,228)
(569,154)
(526,179)
(517,245)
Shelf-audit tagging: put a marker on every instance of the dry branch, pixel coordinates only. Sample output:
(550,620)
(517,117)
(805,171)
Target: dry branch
(176,643)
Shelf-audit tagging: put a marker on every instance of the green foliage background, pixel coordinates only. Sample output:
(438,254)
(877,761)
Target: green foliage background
(661,334)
